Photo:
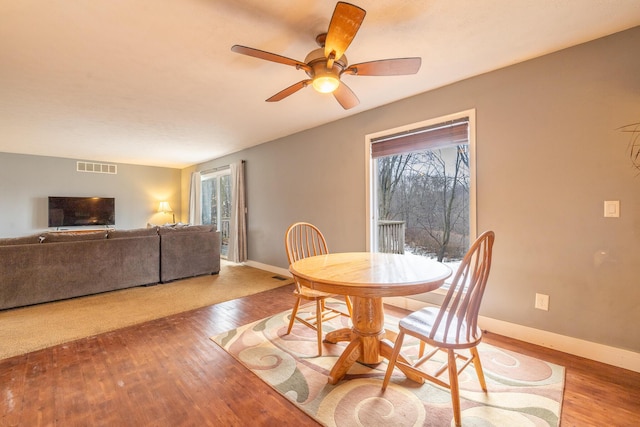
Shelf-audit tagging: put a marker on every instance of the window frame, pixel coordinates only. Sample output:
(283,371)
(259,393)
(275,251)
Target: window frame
(371,201)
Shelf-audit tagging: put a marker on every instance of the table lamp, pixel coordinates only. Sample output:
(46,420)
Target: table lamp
(165,208)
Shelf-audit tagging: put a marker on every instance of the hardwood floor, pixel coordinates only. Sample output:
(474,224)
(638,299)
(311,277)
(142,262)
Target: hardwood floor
(168,373)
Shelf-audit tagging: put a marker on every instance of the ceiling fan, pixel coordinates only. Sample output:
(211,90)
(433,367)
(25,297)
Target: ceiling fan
(327,64)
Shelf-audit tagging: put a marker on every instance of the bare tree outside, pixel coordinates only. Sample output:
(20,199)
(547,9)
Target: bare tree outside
(391,171)
(429,191)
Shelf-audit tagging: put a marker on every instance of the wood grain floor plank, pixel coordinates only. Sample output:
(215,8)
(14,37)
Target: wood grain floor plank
(168,372)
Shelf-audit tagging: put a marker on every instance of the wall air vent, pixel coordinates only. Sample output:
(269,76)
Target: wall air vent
(97,167)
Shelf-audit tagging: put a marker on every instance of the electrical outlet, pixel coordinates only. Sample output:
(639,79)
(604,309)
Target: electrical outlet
(542,302)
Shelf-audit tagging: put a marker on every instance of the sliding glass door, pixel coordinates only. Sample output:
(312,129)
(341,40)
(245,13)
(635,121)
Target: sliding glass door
(216,204)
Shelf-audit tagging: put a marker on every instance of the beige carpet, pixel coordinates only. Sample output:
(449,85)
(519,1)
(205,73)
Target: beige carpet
(26,329)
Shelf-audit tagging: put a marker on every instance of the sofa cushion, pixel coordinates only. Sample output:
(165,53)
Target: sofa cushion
(73,237)
(25,240)
(138,232)
(189,228)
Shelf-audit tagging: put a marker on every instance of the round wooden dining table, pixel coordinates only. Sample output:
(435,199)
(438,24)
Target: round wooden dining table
(367,277)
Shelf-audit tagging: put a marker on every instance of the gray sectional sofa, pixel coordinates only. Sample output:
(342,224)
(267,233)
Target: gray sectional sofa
(186,251)
(54,266)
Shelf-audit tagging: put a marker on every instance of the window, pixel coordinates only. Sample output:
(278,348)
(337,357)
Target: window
(421,188)
(216,203)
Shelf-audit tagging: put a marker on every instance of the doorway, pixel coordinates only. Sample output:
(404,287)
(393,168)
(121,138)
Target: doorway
(216,204)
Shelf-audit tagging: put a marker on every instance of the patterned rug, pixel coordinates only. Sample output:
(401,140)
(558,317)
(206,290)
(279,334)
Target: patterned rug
(523,391)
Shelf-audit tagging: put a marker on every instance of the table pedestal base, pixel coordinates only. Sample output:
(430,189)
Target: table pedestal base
(367,343)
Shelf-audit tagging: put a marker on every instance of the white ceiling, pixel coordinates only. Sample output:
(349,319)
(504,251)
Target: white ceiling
(154,82)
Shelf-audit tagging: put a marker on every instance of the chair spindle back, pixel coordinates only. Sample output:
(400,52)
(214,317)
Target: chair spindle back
(303,240)
(462,302)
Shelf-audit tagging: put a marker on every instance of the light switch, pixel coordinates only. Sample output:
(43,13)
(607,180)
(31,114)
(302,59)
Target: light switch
(612,208)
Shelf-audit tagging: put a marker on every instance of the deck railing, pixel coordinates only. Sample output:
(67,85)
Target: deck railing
(391,237)
(225,231)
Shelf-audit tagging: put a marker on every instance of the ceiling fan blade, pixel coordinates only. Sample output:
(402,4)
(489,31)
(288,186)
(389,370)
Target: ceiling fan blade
(344,25)
(345,96)
(386,67)
(268,56)
(289,91)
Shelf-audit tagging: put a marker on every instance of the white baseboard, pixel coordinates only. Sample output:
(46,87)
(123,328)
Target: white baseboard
(266,267)
(601,353)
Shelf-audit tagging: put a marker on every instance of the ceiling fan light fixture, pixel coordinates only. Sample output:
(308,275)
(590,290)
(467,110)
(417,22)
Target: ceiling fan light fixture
(326,83)
(326,65)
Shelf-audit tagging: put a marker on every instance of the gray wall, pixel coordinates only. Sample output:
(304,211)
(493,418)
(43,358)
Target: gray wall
(548,155)
(27,181)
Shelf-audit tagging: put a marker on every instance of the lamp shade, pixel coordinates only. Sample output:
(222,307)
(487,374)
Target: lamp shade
(164,207)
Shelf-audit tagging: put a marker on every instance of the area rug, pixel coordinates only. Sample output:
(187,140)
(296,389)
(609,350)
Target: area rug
(523,391)
(26,329)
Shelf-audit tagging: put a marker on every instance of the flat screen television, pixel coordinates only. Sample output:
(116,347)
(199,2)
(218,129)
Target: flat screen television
(81,211)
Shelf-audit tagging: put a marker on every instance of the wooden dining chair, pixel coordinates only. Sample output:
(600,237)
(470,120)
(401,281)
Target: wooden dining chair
(303,240)
(451,327)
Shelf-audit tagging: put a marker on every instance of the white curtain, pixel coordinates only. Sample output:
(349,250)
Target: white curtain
(238,223)
(195,207)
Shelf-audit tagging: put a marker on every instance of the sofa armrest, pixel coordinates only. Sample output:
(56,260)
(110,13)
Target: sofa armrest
(188,253)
